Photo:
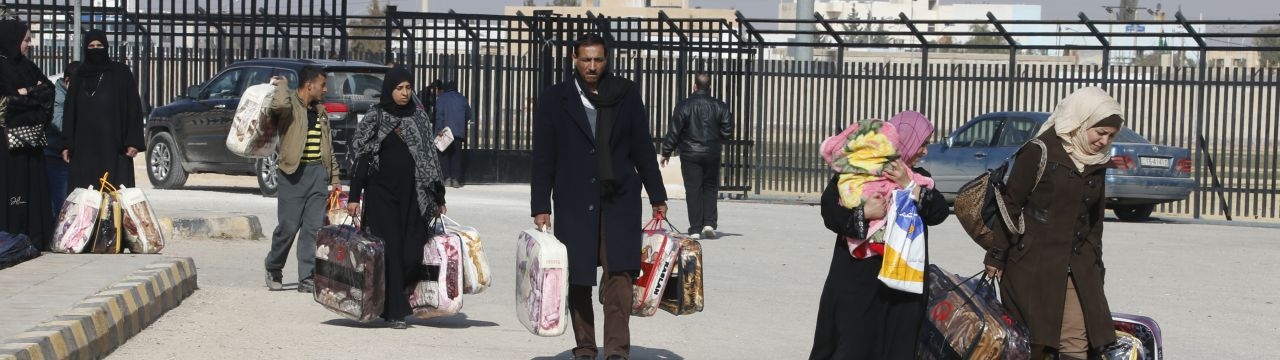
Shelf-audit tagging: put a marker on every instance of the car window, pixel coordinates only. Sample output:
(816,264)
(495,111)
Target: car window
(354,85)
(1128,136)
(225,86)
(289,75)
(978,134)
(254,76)
(1017,131)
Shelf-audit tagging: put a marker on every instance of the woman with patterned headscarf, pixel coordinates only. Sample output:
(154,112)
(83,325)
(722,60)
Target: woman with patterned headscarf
(1052,273)
(102,122)
(859,317)
(26,104)
(397,174)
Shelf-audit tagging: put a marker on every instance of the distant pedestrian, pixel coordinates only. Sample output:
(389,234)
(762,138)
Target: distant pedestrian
(102,122)
(698,126)
(453,113)
(55,168)
(27,97)
(427,96)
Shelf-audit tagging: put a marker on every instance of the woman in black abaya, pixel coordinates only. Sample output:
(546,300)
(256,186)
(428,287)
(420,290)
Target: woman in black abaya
(397,173)
(102,128)
(28,97)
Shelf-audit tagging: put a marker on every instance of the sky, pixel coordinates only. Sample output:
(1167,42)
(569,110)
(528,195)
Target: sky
(1052,9)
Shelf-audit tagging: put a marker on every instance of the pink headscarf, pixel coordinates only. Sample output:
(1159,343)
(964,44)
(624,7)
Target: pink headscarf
(913,130)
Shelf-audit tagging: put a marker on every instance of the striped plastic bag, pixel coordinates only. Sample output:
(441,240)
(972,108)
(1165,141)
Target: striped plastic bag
(904,245)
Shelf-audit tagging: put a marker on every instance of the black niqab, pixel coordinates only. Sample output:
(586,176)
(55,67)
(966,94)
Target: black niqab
(96,61)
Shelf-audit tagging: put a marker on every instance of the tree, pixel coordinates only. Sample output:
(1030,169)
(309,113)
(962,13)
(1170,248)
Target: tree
(562,3)
(852,30)
(529,3)
(1269,58)
(985,40)
(372,26)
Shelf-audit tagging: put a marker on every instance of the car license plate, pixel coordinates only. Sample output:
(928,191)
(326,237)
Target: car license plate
(1154,162)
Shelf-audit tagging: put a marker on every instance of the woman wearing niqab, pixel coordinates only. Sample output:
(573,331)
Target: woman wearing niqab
(102,127)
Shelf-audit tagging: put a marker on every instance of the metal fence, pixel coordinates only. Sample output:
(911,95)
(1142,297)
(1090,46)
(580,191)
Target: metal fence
(783,107)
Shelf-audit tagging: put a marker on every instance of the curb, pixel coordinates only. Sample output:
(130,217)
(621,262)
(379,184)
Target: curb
(99,324)
(224,228)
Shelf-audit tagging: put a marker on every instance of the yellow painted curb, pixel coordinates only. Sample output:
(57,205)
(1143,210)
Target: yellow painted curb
(99,324)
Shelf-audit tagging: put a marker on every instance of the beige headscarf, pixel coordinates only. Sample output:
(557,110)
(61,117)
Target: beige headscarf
(1075,114)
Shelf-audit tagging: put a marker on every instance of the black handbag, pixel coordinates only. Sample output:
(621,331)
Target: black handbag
(26,136)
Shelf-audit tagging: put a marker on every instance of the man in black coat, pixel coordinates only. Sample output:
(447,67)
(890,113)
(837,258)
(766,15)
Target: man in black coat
(698,125)
(592,151)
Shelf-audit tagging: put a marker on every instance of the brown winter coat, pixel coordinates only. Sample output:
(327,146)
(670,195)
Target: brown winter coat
(1063,235)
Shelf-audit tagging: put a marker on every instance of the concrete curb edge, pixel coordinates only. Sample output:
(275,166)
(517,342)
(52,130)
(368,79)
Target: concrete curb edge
(221,228)
(99,324)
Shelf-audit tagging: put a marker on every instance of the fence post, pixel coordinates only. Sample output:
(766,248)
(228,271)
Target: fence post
(1106,49)
(924,61)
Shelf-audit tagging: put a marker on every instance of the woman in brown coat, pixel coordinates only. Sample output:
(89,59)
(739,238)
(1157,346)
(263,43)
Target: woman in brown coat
(1052,275)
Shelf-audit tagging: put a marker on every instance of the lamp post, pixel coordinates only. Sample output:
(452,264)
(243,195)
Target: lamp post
(1129,13)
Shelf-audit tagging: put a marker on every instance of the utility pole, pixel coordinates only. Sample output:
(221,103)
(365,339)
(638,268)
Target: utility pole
(75,34)
(804,11)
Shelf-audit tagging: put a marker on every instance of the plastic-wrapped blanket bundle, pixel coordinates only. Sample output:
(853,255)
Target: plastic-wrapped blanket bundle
(253,134)
(442,294)
(657,261)
(141,226)
(542,283)
(684,291)
(349,277)
(964,320)
(76,220)
(475,265)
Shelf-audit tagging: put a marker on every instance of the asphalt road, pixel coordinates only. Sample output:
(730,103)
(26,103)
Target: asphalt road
(1209,287)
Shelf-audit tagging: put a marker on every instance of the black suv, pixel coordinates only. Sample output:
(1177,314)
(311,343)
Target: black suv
(189,135)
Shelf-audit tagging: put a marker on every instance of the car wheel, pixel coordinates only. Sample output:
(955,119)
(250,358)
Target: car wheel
(1134,212)
(164,164)
(268,174)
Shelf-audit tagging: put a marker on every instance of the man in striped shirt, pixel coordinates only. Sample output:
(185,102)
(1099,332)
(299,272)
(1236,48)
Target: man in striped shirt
(307,169)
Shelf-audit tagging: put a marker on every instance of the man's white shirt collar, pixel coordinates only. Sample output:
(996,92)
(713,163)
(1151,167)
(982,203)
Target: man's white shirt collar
(583,96)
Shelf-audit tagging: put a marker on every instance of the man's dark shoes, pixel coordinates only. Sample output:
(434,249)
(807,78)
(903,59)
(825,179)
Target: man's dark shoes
(273,281)
(306,285)
(399,325)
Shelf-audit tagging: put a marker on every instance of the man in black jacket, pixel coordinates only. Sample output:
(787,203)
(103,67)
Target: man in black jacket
(697,127)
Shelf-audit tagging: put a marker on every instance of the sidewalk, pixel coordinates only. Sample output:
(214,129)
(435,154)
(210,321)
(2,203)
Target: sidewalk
(84,306)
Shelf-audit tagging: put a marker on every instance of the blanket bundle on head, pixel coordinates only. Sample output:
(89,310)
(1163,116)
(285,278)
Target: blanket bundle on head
(860,155)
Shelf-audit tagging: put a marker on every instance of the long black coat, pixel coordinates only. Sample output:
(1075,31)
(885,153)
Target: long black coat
(99,126)
(564,170)
(1063,216)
